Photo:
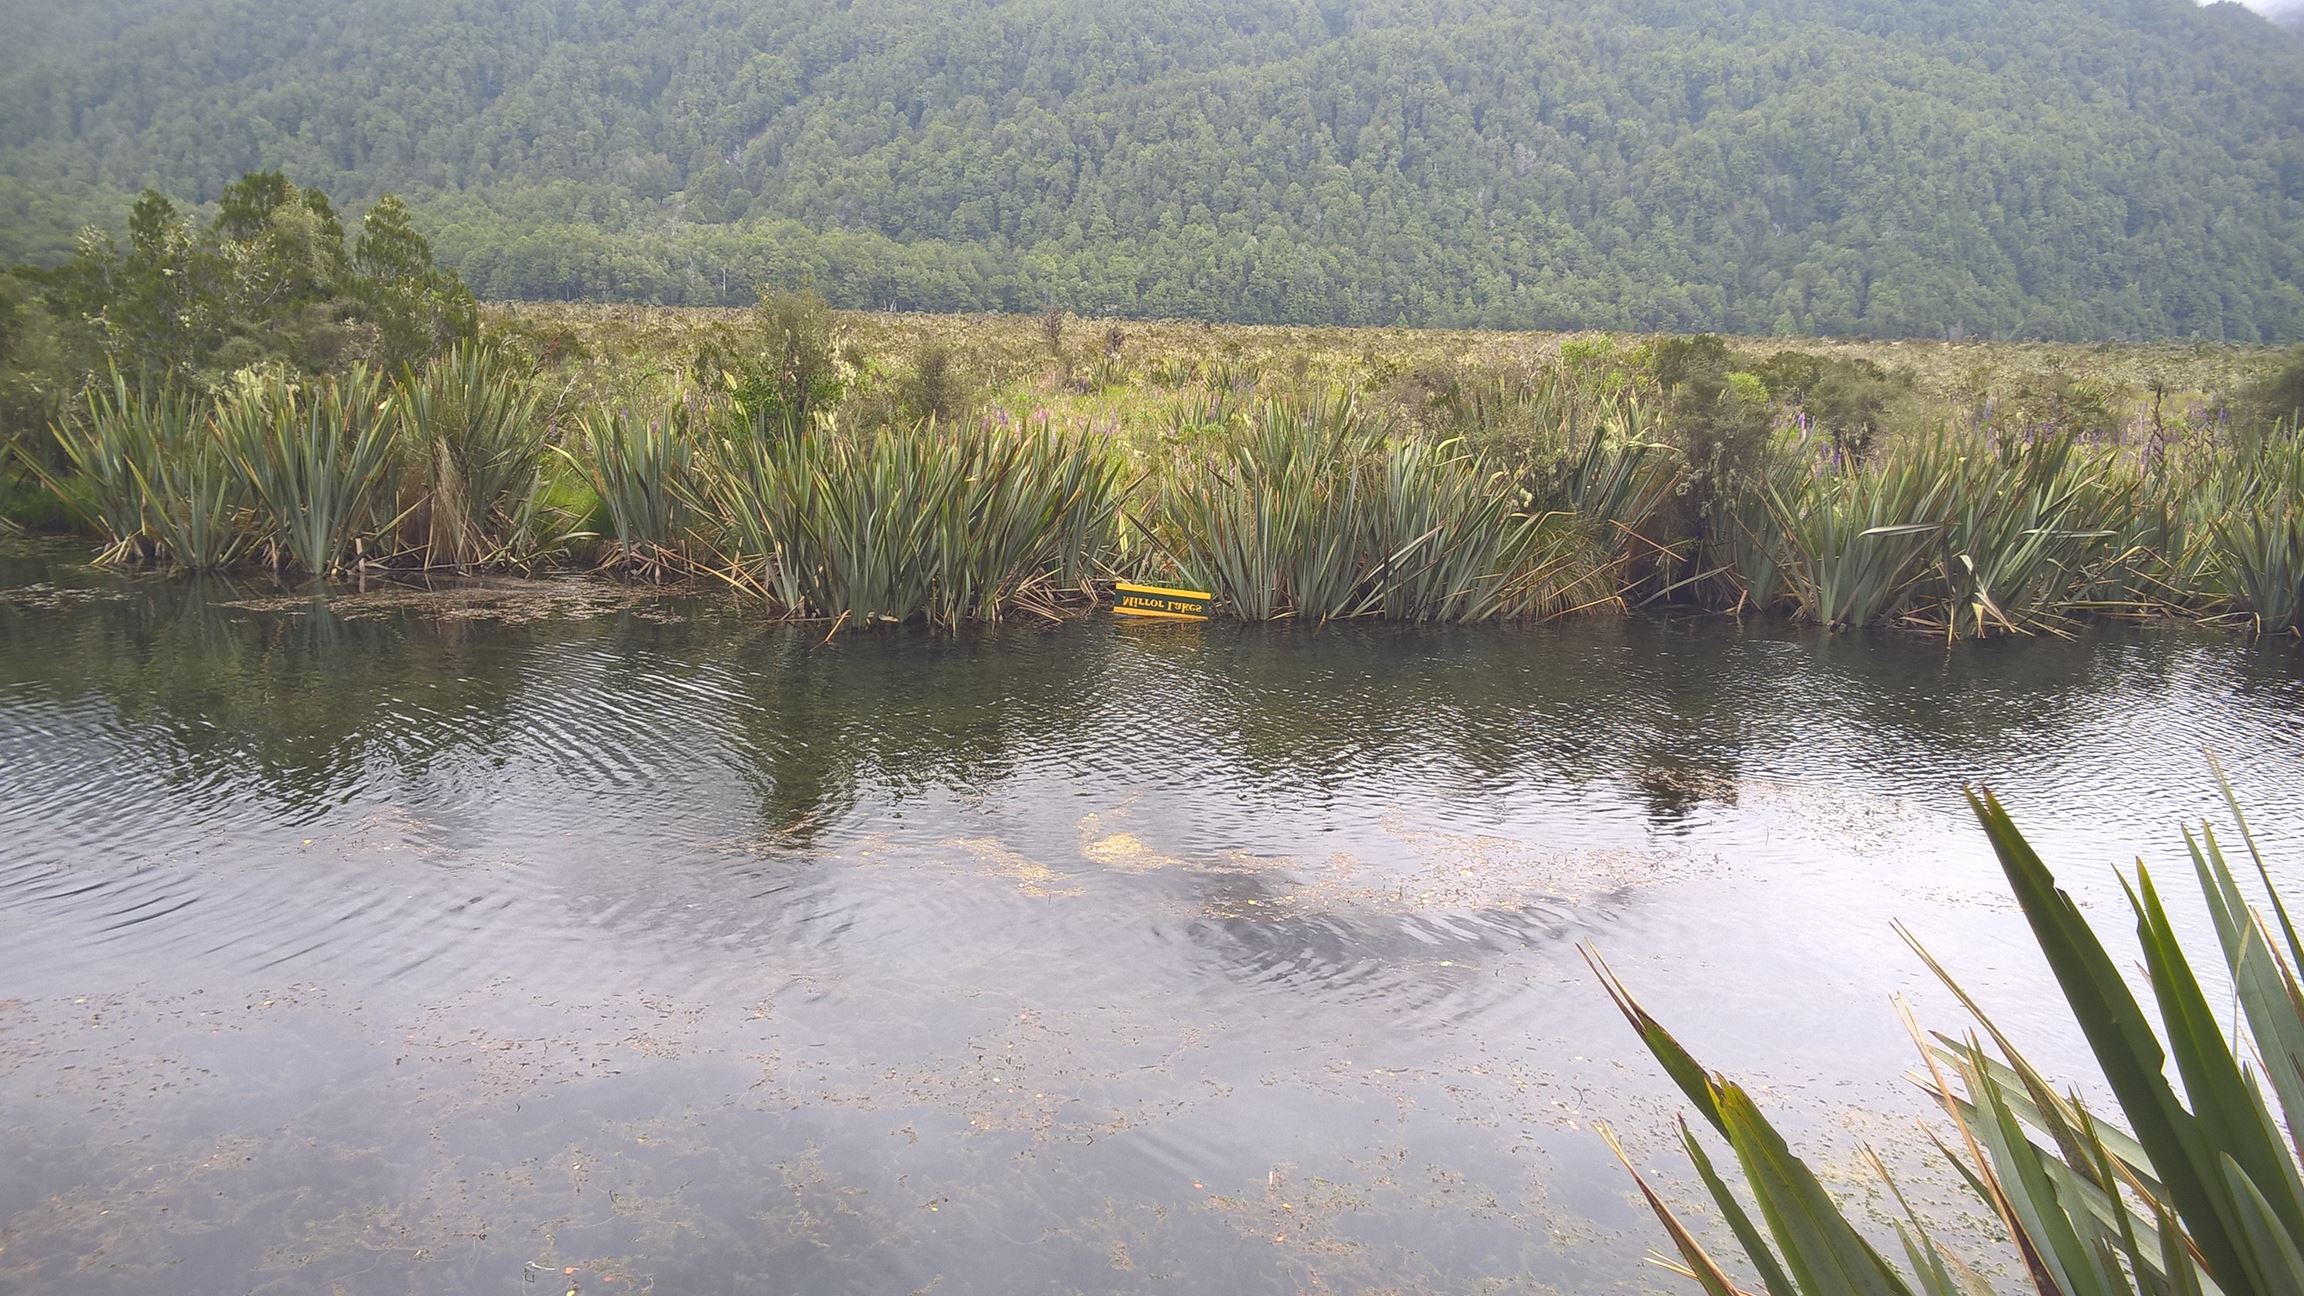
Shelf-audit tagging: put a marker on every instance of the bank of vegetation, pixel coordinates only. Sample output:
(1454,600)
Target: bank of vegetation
(265,389)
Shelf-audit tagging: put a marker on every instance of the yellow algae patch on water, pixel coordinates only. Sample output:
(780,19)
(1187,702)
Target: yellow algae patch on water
(1030,876)
(1120,850)
(1128,851)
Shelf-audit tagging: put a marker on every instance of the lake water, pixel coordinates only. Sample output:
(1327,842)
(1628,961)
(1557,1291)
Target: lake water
(402,941)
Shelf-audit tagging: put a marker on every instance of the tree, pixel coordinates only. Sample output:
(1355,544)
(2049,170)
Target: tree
(416,306)
(268,281)
(2058,168)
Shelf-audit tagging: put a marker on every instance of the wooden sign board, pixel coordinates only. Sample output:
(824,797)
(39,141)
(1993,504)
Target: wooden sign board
(1160,601)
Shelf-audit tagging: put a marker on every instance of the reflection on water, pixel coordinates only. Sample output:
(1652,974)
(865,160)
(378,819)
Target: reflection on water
(396,941)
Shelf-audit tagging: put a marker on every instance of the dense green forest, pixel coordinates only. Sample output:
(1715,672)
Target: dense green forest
(1990,168)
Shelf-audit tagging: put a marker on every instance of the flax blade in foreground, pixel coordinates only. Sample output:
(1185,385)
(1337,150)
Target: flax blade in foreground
(2201,1194)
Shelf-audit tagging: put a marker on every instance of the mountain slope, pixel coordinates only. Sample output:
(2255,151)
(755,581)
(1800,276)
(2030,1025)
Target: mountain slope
(2061,168)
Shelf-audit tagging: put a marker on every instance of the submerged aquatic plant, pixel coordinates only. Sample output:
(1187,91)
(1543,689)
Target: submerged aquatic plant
(2202,1192)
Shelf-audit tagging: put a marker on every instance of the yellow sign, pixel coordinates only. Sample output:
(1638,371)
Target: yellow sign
(1160,601)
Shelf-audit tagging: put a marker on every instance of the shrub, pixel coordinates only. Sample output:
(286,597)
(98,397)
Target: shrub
(935,388)
(781,367)
(2279,396)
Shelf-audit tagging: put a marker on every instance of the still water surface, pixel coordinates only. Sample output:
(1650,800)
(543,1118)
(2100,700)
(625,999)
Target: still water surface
(394,943)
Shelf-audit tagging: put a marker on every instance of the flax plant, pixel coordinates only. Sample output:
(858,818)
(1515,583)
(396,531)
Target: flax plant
(2264,549)
(194,498)
(2027,525)
(1611,483)
(470,428)
(642,466)
(1311,509)
(2199,1192)
(121,436)
(1275,517)
(1456,544)
(1854,538)
(1748,546)
(1036,513)
(315,456)
(2161,558)
(948,523)
(2259,538)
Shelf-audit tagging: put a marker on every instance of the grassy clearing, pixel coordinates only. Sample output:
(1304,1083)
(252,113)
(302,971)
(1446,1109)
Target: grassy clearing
(874,468)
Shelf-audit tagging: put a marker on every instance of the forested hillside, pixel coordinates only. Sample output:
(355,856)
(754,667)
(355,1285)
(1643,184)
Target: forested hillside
(2044,168)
